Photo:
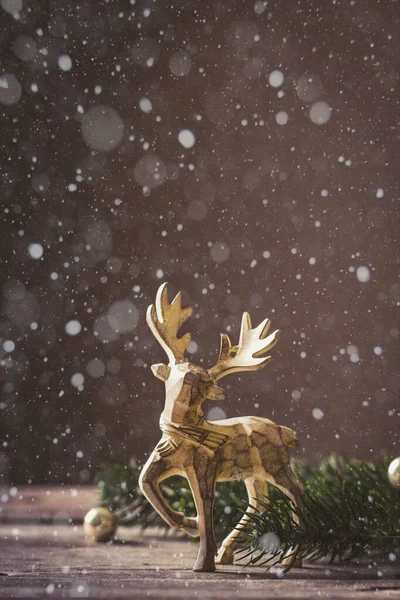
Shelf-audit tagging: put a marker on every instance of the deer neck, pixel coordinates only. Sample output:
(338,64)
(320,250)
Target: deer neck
(180,415)
(183,408)
(182,401)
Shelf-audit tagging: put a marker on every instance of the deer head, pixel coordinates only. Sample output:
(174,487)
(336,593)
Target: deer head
(187,385)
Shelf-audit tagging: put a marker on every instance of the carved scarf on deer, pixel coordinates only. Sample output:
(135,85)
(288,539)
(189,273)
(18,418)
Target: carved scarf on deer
(252,449)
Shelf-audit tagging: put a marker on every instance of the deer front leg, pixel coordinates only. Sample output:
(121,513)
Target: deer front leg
(202,477)
(154,471)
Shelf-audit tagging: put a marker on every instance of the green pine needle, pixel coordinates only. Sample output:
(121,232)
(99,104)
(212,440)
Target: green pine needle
(350,510)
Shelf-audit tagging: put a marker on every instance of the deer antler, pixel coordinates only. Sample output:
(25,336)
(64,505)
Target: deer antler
(253,343)
(165,320)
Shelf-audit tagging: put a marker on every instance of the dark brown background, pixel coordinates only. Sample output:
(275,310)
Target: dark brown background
(252,188)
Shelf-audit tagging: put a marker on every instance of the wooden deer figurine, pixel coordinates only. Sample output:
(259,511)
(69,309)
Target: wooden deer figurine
(252,449)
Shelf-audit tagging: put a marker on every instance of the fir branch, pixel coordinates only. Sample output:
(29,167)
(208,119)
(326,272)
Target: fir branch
(350,509)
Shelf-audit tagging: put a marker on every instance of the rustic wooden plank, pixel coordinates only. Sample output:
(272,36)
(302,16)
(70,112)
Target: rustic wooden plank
(42,560)
(47,503)
(58,561)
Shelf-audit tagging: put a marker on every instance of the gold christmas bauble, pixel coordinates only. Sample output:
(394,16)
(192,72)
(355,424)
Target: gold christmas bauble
(100,524)
(394,472)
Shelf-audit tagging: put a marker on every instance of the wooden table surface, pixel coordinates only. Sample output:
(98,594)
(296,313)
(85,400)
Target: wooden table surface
(54,559)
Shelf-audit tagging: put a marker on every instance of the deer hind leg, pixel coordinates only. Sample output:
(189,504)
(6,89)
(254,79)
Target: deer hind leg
(257,489)
(286,481)
(153,472)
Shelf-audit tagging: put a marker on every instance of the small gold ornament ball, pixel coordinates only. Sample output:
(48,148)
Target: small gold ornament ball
(394,472)
(100,524)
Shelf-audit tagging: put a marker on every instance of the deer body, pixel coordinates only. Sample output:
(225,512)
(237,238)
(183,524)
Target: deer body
(252,449)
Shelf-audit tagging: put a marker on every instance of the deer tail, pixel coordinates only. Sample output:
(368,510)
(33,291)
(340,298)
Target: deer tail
(288,437)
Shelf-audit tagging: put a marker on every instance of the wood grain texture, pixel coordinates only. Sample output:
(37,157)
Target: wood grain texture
(39,503)
(57,561)
(252,449)
(38,560)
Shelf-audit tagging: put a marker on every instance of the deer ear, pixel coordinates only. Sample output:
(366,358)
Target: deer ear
(161,371)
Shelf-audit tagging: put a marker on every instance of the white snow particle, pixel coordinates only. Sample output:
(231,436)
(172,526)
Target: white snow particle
(378,350)
(64,62)
(122,316)
(35,251)
(352,349)
(363,274)
(102,128)
(180,64)
(282,117)
(260,6)
(8,346)
(320,113)
(10,89)
(192,347)
(186,138)
(73,327)
(308,88)
(317,413)
(77,380)
(220,252)
(145,105)
(276,78)
(12,6)
(380,193)
(269,542)
(216,414)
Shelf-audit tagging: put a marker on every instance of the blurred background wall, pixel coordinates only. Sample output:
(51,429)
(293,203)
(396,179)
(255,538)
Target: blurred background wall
(245,152)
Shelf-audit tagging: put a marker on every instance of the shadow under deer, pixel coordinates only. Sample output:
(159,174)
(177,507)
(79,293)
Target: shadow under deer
(252,449)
